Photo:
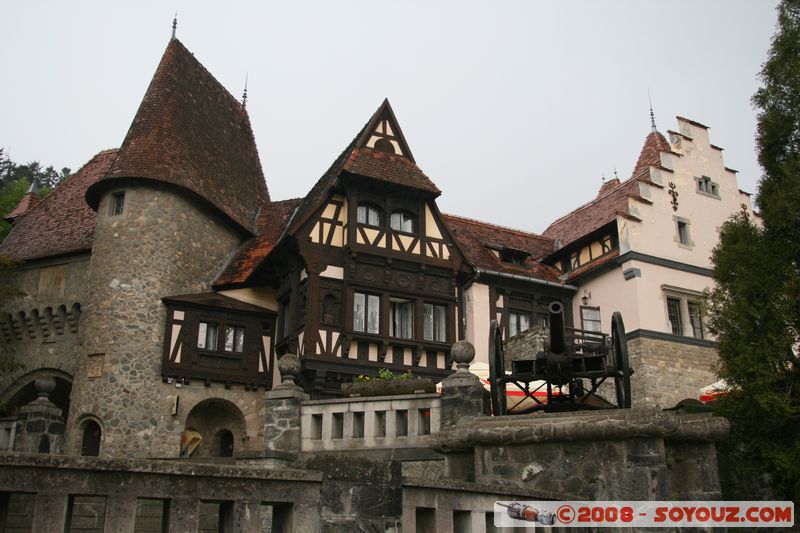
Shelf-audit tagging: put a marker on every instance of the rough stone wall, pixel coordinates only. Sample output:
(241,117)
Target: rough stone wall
(163,244)
(667,372)
(40,340)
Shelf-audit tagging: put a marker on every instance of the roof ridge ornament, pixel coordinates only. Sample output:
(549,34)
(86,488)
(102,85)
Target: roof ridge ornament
(174,25)
(652,115)
(244,93)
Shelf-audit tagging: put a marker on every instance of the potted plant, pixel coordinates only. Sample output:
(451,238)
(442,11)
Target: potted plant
(387,383)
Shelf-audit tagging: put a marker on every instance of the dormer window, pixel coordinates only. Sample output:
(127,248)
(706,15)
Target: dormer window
(515,257)
(404,221)
(369,214)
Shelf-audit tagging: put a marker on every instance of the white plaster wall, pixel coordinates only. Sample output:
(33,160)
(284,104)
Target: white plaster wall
(264,297)
(656,234)
(476,311)
(610,292)
(652,300)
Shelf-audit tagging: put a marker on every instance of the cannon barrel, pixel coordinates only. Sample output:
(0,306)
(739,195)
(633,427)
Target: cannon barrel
(558,342)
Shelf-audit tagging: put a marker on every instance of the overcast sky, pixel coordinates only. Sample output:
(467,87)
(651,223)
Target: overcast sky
(515,109)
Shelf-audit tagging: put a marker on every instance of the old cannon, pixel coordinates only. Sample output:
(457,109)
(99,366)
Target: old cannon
(572,369)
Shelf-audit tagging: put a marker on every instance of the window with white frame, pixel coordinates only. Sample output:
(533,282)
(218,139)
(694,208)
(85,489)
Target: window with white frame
(675,316)
(207,334)
(590,318)
(401,318)
(685,312)
(404,221)
(369,214)
(518,322)
(695,318)
(435,322)
(366,313)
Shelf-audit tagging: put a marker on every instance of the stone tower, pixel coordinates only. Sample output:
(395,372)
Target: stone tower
(182,194)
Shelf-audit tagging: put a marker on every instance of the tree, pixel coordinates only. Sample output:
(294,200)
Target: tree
(15,180)
(755,307)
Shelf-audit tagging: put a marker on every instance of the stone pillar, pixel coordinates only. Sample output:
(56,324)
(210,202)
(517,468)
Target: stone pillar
(282,419)
(40,426)
(462,391)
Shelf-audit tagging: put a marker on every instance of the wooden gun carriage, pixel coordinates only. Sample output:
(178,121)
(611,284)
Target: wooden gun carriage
(571,369)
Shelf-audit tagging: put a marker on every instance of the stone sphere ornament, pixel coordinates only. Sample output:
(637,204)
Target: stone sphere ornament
(462,353)
(45,386)
(289,367)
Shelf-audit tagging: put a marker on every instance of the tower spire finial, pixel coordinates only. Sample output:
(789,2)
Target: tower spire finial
(174,24)
(652,115)
(244,94)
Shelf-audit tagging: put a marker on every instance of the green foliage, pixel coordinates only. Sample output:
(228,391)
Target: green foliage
(15,180)
(755,308)
(384,374)
(10,195)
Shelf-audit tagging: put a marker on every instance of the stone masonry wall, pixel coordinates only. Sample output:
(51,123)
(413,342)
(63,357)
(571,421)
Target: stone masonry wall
(163,244)
(41,331)
(667,372)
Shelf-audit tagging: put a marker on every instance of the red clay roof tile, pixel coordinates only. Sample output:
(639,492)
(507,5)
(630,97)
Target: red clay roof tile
(28,201)
(190,132)
(614,201)
(62,223)
(272,222)
(473,236)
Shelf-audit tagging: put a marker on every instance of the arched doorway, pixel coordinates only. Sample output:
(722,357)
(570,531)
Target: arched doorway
(221,426)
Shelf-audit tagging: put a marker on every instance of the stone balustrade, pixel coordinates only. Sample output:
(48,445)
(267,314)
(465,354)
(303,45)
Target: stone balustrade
(401,421)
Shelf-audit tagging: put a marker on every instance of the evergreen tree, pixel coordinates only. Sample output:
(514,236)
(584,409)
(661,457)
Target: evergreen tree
(755,308)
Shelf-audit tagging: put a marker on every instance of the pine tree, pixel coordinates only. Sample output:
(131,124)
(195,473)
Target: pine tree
(755,308)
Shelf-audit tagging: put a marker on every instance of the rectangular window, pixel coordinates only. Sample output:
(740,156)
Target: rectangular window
(117,203)
(518,322)
(366,312)
(86,513)
(674,314)
(207,334)
(590,318)
(234,339)
(696,319)
(401,323)
(435,320)
(152,516)
(683,232)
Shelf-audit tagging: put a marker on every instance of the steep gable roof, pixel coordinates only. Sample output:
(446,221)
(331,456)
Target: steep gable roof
(613,198)
(475,239)
(62,223)
(364,157)
(192,133)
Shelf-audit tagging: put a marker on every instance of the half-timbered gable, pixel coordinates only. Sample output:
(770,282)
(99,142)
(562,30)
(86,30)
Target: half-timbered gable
(375,275)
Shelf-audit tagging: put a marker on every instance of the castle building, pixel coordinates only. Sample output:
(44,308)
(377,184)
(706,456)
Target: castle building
(160,283)
(643,247)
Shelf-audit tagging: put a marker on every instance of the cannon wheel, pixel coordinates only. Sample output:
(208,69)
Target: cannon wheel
(622,376)
(496,370)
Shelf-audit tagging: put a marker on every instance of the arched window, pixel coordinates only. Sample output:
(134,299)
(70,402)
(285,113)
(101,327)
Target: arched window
(224,443)
(404,221)
(369,214)
(90,445)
